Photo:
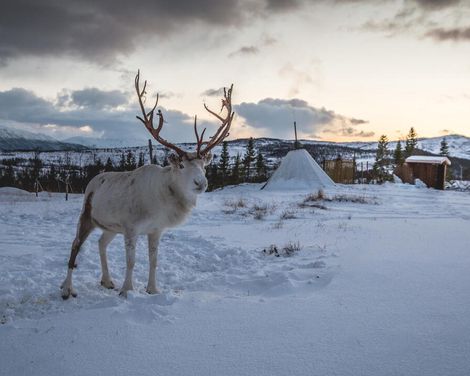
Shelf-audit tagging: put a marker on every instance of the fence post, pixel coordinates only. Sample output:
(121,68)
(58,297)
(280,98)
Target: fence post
(150,151)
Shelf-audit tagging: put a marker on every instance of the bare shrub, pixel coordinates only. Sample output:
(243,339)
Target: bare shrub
(311,200)
(259,211)
(352,198)
(312,197)
(304,205)
(291,247)
(272,250)
(233,205)
(288,250)
(288,214)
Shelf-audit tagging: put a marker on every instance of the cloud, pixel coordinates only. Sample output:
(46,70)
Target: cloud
(213,92)
(245,50)
(430,18)
(102,31)
(98,99)
(436,4)
(452,34)
(276,116)
(110,116)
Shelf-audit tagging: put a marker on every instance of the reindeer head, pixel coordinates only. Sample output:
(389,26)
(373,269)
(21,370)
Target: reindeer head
(189,167)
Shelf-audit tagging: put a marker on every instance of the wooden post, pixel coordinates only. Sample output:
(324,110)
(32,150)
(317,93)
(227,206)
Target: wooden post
(296,144)
(150,151)
(67,188)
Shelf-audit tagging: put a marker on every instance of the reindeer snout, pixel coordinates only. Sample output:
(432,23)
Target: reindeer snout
(201,185)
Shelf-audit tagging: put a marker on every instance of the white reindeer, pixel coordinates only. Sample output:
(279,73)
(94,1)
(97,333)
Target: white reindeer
(147,200)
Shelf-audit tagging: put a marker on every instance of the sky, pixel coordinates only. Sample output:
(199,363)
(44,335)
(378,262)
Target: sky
(344,70)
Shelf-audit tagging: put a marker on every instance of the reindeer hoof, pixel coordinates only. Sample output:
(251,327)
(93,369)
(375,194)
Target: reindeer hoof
(152,290)
(123,294)
(107,284)
(66,292)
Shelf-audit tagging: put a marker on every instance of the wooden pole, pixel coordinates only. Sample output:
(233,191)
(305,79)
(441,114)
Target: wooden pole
(66,188)
(150,151)
(296,144)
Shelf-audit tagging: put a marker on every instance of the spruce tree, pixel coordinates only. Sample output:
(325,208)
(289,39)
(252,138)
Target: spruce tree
(141,160)
(444,150)
(260,167)
(235,178)
(248,159)
(381,159)
(122,163)
(130,161)
(224,164)
(411,142)
(398,154)
(212,177)
(109,165)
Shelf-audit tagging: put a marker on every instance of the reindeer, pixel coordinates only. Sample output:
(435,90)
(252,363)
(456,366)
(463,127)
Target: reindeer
(147,200)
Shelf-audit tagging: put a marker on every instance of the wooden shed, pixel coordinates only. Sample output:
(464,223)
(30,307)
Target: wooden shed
(430,170)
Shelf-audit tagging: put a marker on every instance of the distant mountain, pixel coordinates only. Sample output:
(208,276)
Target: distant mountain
(15,139)
(12,139)
(105,143)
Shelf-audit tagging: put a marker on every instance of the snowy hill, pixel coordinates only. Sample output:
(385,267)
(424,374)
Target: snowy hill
(15,139)
(12,139)
(459,146)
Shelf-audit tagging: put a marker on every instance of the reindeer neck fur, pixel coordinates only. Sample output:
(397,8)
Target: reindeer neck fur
(178,200)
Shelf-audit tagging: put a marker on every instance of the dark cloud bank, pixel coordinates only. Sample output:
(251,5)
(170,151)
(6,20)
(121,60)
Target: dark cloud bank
(108,112)
(277,115)
(112,113)
(100,30)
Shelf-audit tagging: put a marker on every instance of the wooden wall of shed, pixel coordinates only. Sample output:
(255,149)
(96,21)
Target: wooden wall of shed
(432,175)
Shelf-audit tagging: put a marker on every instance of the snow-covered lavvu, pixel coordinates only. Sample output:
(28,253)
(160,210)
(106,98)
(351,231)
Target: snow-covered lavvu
(360,280)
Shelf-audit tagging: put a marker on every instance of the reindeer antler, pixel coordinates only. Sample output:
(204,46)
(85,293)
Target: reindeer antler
(223,131)
(147,118)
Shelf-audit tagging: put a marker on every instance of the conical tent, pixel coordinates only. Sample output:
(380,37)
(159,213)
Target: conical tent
(298,170)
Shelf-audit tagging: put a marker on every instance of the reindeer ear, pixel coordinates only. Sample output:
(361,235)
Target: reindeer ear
(207,158)
(175,161)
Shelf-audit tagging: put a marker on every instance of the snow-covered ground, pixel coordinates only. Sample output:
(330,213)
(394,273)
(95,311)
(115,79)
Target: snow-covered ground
(380,286)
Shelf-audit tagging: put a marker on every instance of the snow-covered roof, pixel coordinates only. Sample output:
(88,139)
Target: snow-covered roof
(427,159)
(298,170)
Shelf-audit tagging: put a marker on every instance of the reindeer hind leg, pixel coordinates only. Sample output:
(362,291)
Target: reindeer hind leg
(85,227)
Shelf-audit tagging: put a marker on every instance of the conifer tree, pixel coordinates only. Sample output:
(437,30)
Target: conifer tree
(381,159)
(236,170)
(141,160)
(444,150)
(398,154)
(212,177)
(260,167)
(122,163)
(130,161)
(411,142)
(109,165)
(224,163)
(248,159)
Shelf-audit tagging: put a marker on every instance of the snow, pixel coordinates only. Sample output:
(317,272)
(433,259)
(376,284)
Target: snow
(298,170)
(427,159)
(6,191)
(379,287)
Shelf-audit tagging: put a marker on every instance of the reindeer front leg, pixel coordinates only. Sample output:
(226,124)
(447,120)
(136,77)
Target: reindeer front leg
(130,240)
(153,240)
